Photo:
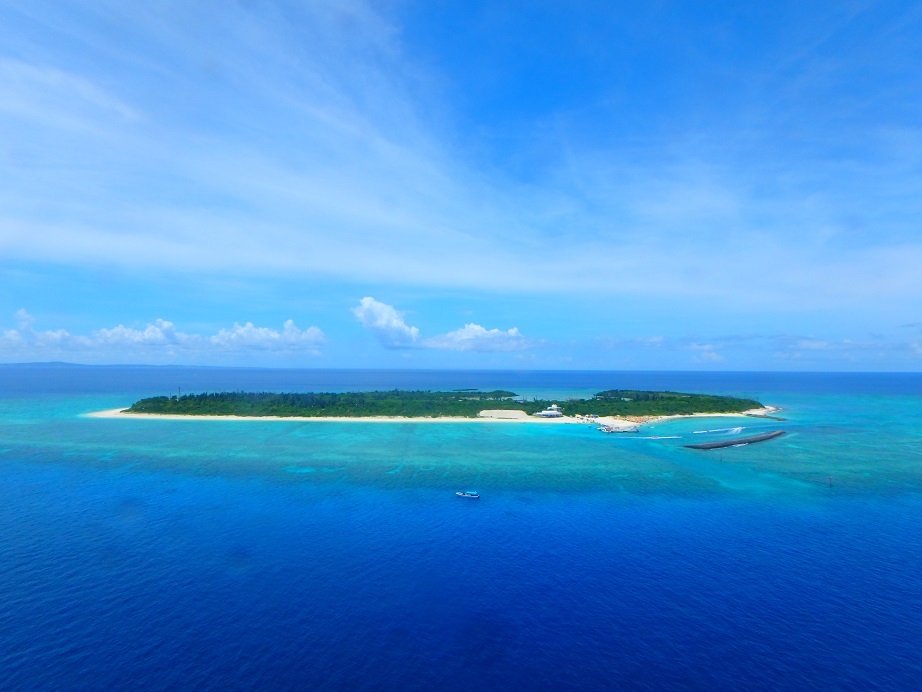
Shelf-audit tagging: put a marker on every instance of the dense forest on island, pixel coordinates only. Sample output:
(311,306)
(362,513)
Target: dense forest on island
(425,404)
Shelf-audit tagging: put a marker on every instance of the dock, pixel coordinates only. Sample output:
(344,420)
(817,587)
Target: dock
(738,441)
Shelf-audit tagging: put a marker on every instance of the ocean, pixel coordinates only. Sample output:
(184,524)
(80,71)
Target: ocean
(156,554)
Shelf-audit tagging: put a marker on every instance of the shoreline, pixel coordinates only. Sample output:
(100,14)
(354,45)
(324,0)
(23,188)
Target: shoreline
(757,413)
(487,416)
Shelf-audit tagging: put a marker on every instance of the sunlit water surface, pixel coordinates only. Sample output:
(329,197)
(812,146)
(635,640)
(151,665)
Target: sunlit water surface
(163,554)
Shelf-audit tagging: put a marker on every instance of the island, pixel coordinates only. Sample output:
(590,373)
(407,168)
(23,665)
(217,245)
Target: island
(614,404)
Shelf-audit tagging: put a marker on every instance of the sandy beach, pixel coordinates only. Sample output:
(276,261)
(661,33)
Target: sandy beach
(751,413)
(483,417)
(487,416)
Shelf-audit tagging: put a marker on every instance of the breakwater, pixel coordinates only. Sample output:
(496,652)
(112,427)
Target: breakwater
(738,441)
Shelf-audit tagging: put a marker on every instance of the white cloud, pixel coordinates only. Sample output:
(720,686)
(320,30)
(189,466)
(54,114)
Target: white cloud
(57,98)
(24,319)
(248,336)
(305,139)
(386,323)
(160,332)
(473,337)
(155,342)
(26,336)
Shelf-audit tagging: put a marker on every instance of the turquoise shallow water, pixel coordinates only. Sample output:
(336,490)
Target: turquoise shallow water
(861,443)
(291,555)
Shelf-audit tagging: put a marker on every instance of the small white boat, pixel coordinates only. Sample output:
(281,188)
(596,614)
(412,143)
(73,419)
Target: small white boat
(467,493)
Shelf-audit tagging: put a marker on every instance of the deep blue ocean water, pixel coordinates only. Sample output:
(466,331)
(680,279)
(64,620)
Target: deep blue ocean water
(160,554)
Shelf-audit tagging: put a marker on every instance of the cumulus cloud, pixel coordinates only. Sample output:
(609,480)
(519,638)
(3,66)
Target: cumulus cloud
(265,338)
(156,341)
(160,332)
(386,323)
(25,335)
(473,337)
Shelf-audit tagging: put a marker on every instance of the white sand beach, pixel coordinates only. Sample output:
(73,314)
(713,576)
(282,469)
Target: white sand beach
(751,413)
(492,416)
(486,416)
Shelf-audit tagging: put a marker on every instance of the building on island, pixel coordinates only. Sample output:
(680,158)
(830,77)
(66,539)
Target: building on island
(552,411)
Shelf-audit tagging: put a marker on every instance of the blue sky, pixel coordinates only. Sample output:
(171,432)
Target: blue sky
(634,185)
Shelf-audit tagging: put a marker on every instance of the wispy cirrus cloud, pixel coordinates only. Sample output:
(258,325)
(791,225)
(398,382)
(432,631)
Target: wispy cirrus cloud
(59,98)
(732,213)
(336,144)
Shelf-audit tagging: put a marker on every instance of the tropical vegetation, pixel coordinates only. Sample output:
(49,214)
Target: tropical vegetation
(426,404)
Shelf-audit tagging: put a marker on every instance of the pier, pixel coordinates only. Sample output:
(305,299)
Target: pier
(738,441)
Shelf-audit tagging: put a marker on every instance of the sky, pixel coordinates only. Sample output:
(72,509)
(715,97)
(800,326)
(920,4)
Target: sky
(655,185)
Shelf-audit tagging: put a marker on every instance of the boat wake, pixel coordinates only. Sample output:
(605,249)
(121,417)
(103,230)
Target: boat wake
(725,431)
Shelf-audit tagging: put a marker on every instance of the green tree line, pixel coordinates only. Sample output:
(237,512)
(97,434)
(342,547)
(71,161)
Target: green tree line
(426,404)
